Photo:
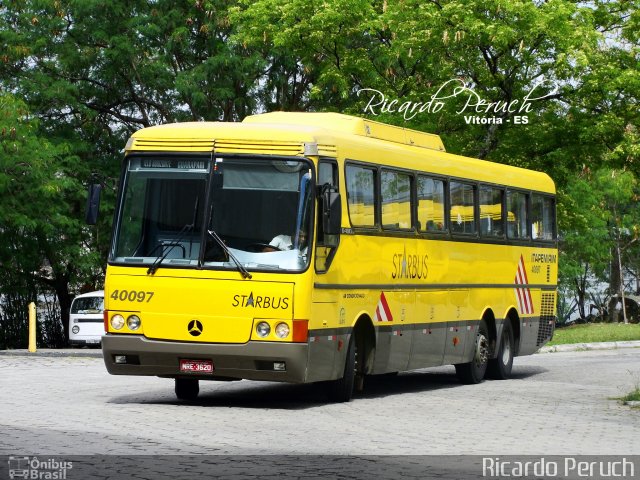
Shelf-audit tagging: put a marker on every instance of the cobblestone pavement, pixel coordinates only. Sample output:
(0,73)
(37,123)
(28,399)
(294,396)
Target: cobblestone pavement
(556,404)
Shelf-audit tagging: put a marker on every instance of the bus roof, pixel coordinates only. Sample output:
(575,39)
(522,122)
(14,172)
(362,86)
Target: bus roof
(286,133)
(347,124)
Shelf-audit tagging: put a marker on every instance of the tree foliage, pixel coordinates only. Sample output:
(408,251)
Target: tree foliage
(42,237)
(600,221)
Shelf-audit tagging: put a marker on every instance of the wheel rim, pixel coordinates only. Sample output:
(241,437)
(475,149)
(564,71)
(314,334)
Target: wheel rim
(506,350)
(482,350)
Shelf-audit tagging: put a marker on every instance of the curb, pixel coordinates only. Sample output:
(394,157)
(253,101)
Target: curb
(579,347)
(46,352)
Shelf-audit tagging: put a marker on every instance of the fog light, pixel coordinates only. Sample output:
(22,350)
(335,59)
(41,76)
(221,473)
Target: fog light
(75,329)
(120,359)
(280,366)
(117,322)
(282,330)
(133,322)
(263,329)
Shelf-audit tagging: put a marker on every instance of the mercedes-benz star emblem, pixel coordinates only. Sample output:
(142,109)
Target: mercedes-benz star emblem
(195,327)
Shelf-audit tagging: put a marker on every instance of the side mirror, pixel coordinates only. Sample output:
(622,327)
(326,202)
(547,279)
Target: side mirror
(93,204)
(331,212)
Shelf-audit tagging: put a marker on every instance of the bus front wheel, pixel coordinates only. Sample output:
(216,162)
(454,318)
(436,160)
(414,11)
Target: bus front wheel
(187,388)
(473,371)
(341,390)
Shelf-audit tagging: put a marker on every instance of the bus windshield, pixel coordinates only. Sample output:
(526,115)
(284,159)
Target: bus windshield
(260,209)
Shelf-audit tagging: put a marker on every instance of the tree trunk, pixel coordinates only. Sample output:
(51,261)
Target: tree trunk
(614,285)
(61,286)
(581,291)
(624,306)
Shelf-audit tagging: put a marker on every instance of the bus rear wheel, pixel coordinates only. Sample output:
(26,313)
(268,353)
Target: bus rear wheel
(500,367)
(187,388)
(341,390)
(474,371)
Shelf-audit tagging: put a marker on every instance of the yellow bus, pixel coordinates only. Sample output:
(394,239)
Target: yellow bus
(320,247)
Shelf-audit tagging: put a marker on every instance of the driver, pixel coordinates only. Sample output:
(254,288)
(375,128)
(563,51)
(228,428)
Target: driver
(285,242)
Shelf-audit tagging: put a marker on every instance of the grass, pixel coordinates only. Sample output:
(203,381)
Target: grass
(633,396)
(596,332)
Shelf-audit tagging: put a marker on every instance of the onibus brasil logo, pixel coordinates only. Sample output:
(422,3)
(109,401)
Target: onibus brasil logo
(40,469)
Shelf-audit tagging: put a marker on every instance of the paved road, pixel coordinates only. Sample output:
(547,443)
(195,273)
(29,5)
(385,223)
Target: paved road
(558,403)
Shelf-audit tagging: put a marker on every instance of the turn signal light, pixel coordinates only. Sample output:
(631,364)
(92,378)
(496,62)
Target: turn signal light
(300,331)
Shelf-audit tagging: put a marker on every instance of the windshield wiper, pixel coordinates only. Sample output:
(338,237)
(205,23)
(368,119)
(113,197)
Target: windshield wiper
(245,273)
(160,258)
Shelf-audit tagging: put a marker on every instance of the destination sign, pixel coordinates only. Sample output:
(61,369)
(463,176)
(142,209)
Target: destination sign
(172,163)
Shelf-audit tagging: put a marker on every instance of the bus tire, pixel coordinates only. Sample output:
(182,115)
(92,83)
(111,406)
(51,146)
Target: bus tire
(473,372)
(341,390)
(187,388)
(500,367)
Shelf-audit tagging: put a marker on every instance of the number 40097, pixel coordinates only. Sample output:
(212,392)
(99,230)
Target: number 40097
(132,295)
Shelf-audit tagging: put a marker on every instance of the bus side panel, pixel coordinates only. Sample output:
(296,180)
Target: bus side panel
(538,329)
(394,328)
(427,349)
(383,349)
(323,343)
(456,335)
(403,303)
(340,355)
(400,348)
(322,356)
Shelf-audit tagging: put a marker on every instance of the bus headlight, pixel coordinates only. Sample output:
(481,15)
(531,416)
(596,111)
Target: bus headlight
(117,322)
(263,329)
(282,330)
(133,322)
(75,329)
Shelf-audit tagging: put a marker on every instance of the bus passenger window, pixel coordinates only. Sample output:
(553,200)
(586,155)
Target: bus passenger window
(517,215)
(463,218)
(542,220)
(491,219)
(361,196)
(396,200)
(431,205)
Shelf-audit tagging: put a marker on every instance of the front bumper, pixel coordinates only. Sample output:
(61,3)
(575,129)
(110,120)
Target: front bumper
(251,360)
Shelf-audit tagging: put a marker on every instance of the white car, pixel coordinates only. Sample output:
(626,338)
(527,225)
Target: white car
(86,321)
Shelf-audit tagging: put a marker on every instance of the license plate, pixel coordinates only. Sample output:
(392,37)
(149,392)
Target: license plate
(196,366)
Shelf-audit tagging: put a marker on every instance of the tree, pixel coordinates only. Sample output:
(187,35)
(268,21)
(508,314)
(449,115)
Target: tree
(601,222)
(584,242)
(620,194)
(41,235)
